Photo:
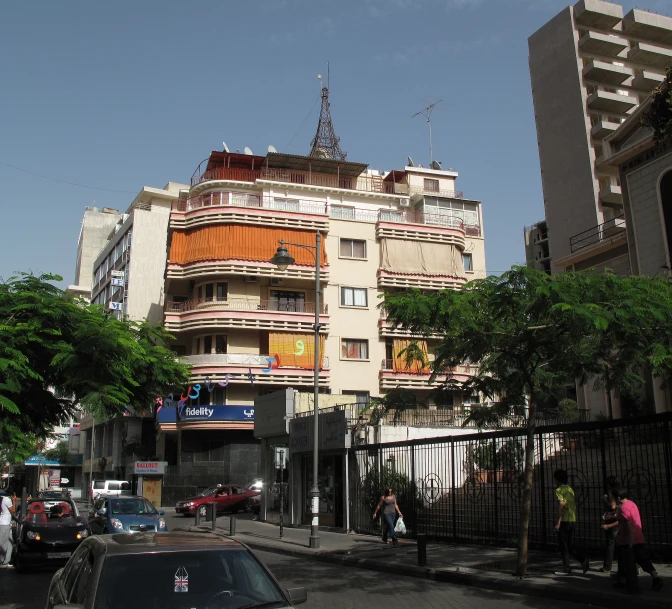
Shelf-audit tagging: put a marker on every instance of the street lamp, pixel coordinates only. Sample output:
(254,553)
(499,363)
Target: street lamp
(282,260)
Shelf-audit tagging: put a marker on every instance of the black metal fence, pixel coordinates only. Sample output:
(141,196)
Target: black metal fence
(468,488)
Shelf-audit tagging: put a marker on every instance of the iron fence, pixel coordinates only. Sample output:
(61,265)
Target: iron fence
(468,488)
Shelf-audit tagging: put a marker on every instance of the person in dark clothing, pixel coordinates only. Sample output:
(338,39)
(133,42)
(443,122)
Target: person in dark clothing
(610,522)
(566,524)
(390,510)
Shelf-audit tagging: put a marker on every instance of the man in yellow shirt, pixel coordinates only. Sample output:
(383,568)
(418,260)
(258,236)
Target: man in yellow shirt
(566,523)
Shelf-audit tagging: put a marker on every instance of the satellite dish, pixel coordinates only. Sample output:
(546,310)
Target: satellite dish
(226,148)
(272,149)
(410,162)
(247,150)
(435,165)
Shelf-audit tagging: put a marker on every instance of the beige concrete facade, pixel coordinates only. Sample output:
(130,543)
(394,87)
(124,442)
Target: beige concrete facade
(590,67)
(227,310)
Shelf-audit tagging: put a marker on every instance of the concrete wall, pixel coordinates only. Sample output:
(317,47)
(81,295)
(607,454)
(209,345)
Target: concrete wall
(565,155)
(96,228)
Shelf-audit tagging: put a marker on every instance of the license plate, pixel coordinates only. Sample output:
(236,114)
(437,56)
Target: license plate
(59,554)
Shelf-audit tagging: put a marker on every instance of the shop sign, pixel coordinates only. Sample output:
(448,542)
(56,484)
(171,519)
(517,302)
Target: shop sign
(117,273)
(334,432)
(149,467)
(217,413)
(272,413)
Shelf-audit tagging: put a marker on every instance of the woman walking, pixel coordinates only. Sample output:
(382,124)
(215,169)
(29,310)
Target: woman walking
(390,509)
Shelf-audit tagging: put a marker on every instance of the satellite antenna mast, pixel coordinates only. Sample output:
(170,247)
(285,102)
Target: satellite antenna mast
(427,113)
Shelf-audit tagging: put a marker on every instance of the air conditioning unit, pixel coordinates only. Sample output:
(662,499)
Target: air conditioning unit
(251,279)
(277,281)
(404,202)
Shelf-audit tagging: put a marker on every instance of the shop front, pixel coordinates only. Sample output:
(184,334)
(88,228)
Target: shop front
(332,480)
(148,480)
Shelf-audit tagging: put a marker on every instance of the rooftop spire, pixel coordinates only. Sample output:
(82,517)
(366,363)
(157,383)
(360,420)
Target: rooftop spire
(325,143)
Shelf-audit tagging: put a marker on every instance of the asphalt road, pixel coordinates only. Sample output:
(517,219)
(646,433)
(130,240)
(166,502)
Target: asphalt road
(329,587)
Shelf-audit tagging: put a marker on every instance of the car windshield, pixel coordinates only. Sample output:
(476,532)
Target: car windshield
(131,506)
(208,492)
(230,579)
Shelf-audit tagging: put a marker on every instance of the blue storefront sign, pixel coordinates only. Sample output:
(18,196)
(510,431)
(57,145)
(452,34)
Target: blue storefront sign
(41,460)
(206,413)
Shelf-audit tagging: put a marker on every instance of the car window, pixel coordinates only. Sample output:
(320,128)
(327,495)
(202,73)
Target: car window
(186,579)
(78,594)
(113,486)
(99,484)
(72,569)
(125,486)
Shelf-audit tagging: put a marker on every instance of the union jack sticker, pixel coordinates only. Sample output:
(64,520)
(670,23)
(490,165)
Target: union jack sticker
(181,580)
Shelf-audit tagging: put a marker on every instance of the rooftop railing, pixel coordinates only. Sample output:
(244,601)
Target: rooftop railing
(243,304)
(447,194)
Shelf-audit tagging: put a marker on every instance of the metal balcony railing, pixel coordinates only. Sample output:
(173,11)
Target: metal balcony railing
(244,199)
(447,194)
(235,359)
(597,234)
(243,304)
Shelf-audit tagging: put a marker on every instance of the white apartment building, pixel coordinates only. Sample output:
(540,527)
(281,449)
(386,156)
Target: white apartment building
(590,67)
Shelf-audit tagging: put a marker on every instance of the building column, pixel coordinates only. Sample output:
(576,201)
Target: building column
(179,447)
(161,445)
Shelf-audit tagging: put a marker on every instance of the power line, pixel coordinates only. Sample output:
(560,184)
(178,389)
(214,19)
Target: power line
(39,175)
(303,123)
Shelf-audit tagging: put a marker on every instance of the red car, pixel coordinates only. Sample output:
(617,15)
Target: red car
(228,497)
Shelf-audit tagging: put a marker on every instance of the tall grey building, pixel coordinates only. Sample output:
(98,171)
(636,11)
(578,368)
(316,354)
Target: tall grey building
(590,66)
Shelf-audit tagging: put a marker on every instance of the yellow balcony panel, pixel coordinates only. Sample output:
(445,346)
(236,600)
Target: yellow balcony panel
(611,102)
(607,73)
(648,26)
(598,14)
(647,80)
(650,55)
(602,44)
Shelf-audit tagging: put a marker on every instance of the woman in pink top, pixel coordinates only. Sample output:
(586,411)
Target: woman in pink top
(632,546)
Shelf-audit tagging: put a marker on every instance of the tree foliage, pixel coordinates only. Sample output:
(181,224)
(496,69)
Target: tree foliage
(58,354)
(659,117)
(532,334)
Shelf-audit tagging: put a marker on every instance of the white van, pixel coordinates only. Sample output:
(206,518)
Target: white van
(110,487)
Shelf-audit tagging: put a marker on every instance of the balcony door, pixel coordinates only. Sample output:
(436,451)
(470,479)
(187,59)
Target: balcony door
(293,302)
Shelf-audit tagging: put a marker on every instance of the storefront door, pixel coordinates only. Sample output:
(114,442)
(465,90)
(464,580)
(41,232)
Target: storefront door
(330,483)
(151,489)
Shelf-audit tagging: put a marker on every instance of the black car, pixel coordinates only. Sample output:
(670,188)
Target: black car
(177,570)
(49,534)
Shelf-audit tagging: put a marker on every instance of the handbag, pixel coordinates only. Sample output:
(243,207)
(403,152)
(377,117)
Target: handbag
(400,527)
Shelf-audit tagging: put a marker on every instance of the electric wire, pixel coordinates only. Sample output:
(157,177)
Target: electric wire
(302,124)
(39,175)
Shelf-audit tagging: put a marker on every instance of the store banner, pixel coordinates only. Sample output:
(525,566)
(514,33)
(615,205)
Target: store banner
(206,413)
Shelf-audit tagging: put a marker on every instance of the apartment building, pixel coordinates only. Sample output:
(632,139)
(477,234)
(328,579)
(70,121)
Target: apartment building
(246,327)
(537,251)
(590,66)
(123,264)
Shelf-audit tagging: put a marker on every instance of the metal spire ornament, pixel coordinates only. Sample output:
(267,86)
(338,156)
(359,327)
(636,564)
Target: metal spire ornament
(325,143)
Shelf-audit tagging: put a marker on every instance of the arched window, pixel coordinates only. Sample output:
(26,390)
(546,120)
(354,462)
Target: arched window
(666,200)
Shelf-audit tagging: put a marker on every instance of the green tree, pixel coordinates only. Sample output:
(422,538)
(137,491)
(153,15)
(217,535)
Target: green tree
(659,116)
(532,333)
(60,453)
(58,354)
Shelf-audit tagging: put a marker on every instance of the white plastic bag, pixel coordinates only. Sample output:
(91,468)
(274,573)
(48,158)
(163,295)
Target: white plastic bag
(400,527)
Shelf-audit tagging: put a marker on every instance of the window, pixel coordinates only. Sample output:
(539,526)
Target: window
(362,397)
(354,297)
(78,595)
(342,212)
(179,350)
(207,344)
(354,349)
(353,248)
(431,185)
(213,291)
(293,302)
(468,263)
(218,395)
(220,344)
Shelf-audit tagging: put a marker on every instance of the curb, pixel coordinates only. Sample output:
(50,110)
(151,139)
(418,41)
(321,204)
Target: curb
(469,577)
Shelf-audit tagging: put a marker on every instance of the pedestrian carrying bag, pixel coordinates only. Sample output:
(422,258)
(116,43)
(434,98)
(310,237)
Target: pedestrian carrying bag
(400,527)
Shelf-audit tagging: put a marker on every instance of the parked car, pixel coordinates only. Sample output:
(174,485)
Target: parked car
(45,537)
(50,498)
(109,487)
(228,497)
(175,570)
(125,515)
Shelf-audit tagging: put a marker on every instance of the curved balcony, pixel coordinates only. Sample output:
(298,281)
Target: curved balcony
(390,378)
(421,226)
(236,368)
(209,313)
(388,279)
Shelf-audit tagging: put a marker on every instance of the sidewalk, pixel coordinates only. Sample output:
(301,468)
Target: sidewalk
(485,567)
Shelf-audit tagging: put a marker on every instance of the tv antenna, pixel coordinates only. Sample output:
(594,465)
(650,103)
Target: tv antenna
(427,113)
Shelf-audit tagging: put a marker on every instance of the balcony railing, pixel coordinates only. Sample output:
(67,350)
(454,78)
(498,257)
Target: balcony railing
(387,365)
(235,359)
(447,194)
(420,217)
(363,182)
(597,234)
(243,304)
(243,199)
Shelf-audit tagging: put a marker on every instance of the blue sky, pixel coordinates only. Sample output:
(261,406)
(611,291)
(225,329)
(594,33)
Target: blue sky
(122,94)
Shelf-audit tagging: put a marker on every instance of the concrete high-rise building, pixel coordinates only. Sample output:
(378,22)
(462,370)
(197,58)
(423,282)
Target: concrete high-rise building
(590,67)
(537,253)
(93,235)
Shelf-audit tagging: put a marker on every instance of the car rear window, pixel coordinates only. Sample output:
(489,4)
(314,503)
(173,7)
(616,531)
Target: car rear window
(177,580)
(113,486)
(99,484)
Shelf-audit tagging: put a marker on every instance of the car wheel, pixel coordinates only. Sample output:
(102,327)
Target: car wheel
(247,507)
(203,511)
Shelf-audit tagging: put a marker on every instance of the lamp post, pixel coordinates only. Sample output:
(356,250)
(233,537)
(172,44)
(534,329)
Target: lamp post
(282,260)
